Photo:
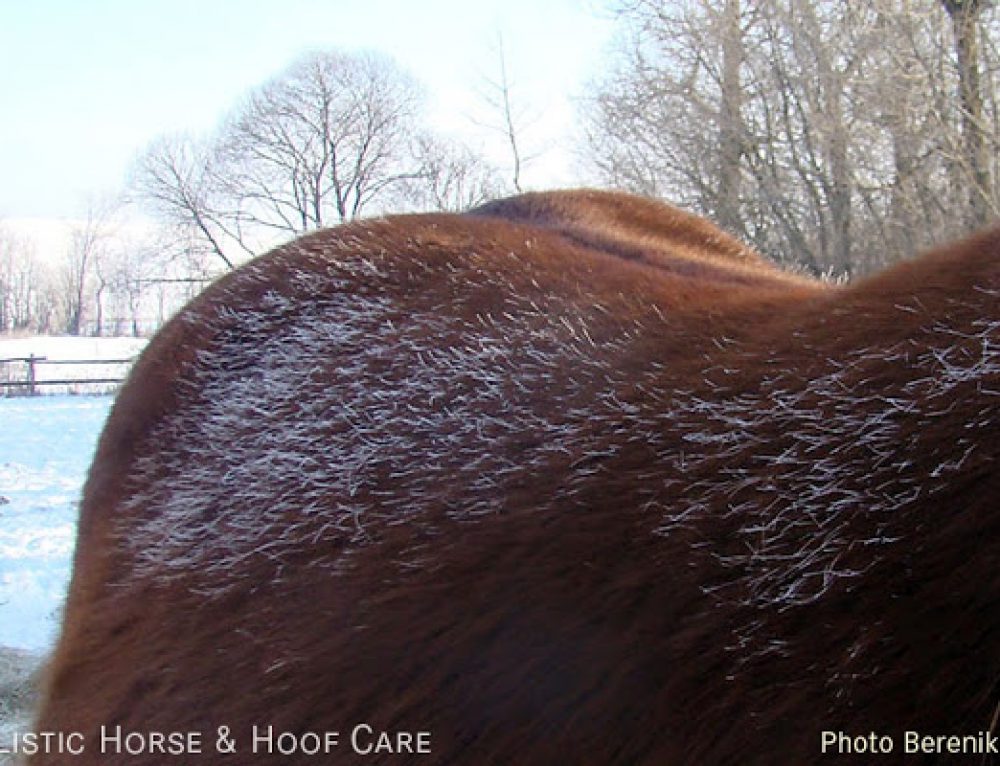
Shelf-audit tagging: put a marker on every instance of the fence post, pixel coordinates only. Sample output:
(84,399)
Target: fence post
(31,374)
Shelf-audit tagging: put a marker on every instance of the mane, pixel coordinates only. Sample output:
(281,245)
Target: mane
(640,229)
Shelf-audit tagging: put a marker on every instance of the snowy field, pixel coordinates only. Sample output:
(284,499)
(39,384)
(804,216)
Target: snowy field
(46,444)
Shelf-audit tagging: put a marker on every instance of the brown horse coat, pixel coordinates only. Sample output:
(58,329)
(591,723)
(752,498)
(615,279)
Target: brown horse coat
(575,478)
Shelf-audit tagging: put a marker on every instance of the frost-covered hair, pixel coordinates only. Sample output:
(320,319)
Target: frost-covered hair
(574,478)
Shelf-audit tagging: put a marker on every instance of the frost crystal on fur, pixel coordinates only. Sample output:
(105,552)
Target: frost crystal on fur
(840,450)
(297,403)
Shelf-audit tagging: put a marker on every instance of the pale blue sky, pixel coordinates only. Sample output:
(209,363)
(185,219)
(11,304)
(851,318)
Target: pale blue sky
(86,84)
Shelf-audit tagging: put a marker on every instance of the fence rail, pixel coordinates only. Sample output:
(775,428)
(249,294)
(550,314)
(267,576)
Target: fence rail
(31,381)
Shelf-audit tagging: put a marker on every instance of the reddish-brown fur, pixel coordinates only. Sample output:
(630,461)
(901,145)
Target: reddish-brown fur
(653,501)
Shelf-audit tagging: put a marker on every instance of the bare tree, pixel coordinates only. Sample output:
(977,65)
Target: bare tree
(452,177)
(76,272)
(820,131)
(324,141)
(125,275)
(134,270)
(102,280)
(965,16)
(177,176)
(732,129)
(89,242)
(320,143)
(508,117)
(669,121)
(22,286)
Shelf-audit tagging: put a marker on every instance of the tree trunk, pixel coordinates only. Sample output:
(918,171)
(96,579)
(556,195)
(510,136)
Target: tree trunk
(964,18)
(731,128)
(840,176)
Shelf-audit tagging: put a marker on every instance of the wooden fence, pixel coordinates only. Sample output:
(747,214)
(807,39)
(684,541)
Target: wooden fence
(30,381)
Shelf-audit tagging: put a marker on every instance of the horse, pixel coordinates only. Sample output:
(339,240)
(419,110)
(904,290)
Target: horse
(574,477)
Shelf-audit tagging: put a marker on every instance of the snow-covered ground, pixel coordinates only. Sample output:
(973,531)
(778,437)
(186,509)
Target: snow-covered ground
(46,444)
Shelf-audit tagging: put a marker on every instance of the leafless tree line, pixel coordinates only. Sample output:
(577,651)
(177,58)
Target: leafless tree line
(332,137)
(22,304)
(109,281)
(328,139)
(836,136)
